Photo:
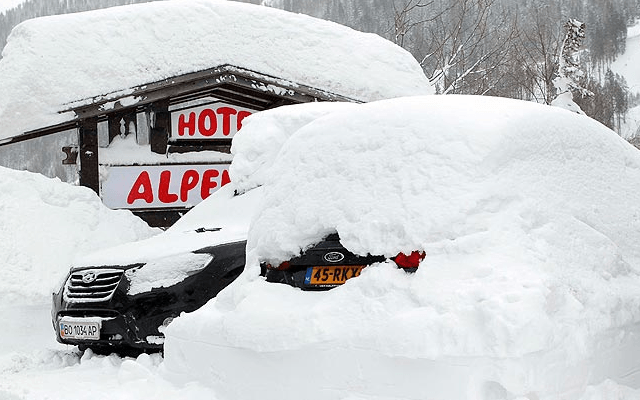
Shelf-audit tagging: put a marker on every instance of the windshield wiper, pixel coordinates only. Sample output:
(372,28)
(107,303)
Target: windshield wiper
(203,229)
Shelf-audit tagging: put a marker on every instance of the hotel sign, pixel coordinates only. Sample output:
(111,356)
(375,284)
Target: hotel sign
(209,122)
(161,186)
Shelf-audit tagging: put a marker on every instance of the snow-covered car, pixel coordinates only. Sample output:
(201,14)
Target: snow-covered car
(328,264)
(529,218)
(120,299)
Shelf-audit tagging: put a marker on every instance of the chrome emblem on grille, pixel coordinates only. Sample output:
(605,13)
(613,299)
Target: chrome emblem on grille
(92,285)
(88,277)
(334,257)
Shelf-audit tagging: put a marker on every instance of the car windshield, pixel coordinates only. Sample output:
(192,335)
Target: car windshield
(222,210)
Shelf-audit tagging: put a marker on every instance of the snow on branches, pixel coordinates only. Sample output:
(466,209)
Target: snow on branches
(569,72)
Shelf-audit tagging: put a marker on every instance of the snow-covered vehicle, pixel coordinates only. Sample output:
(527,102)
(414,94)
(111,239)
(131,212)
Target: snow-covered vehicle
(529,218)
(328,264)
(121,298)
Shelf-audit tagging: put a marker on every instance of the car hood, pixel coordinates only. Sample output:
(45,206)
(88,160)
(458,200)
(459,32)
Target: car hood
(222,218)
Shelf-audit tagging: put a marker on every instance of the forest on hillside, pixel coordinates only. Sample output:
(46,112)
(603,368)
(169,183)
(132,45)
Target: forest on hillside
(490,47)
(500,47)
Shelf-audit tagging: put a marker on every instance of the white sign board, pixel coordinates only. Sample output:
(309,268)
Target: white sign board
(210,121)
(161,186)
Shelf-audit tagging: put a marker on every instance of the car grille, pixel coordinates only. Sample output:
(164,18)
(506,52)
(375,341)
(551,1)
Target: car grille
(92,285)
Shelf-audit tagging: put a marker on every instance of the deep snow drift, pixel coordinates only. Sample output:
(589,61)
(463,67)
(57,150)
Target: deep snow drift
(107,52)
(531,284)
(45,225)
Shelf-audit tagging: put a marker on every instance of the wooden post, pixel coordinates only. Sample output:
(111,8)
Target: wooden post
(88,132)
(159,133)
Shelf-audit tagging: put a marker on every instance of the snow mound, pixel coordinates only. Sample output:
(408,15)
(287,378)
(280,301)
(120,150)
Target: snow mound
(45,225)
(420,172)
(171,38)
(262,136)
(529,216)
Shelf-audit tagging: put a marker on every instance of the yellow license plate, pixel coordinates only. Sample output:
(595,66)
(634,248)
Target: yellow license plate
(331,274)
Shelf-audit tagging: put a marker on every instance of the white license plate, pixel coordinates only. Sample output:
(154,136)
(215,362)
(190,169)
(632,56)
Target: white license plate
(89,330)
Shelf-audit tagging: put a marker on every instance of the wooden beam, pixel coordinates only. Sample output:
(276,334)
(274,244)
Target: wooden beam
(88,134)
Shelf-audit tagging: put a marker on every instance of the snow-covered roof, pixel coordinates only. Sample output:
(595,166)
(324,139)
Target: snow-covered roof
(52,61)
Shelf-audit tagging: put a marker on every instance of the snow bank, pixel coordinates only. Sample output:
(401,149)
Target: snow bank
(412,172)
(265,133)
(51,61)
(54,374)
(530,289)
(609,390)
(45,225)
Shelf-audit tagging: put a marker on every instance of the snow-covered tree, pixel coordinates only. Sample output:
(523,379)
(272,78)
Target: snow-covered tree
(569,72)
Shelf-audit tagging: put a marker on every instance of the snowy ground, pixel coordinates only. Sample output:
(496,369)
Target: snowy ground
(34,367)
(546,309)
